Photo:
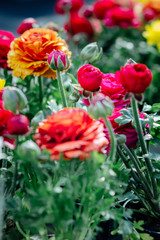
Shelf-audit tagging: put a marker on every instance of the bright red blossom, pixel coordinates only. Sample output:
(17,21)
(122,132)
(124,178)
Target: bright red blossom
(5,40)
(120,16)
(101,7)
(26,24)
(72,132)
(89,77)
(135,78)
(79,24)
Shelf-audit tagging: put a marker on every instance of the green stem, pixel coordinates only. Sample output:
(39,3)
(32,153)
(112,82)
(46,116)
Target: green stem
(144,147)
(112,140)
(144,182)
(125,161)
(61,89)
(40,82)
(13,187)
(2,206)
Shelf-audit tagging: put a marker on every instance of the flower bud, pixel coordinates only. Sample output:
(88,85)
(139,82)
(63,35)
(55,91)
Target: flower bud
(121,138)
(29,150)
(87,11)
(52,26)
(101,106)
(14,99)
(89,77)
(91,52)
(18,125)
(74,97)
(26,24)
(58,60)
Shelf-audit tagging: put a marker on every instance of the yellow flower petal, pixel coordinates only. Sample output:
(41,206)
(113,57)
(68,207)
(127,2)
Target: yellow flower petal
(2,83)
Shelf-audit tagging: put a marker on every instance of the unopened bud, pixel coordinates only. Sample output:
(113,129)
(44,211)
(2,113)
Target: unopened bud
(14,99)
(29,151)
(91,53)
(58,60)
(74,97)
(101,106)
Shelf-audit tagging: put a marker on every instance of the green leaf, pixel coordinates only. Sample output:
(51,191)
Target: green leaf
(127,116)
(146,236)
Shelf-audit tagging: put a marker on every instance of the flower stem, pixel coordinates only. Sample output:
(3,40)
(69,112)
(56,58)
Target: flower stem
(61,89)
(112,139)
(144,147)
(140,174)
(40,82)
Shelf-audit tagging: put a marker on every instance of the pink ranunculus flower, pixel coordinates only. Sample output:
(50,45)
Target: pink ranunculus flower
(26,24)
(111,87)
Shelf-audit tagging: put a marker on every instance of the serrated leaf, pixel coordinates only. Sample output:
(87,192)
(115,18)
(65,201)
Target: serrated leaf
(127,117)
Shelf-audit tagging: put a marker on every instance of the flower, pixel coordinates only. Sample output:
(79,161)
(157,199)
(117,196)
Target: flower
(28,54)
(79,24)
(63,6)
(149,14)
(101,7)
(2,83)
(18,125)
(135,78)
(72,132)
(152,33)
(5,40)
(153,5)
(126,129)
(58,60)
(26,24)
(120,16)
(89,77)
(112,87)
(87,11)
(5,115)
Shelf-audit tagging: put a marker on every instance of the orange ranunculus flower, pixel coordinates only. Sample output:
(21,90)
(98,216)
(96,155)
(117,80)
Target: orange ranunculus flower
(72,132)
(28,54)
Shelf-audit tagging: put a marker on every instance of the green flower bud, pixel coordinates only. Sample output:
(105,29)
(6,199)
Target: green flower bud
(14,99)
(91,53)
(29,151)
(101,106)
(74,97)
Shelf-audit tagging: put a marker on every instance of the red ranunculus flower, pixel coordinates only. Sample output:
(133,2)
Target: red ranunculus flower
(112,87)
(89,77)
(72,132)
(120,16)
(78,24)
(101,7)
(18,125)
(5,115)
(5,40)
(63,6)
(135,78)
(26,24)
